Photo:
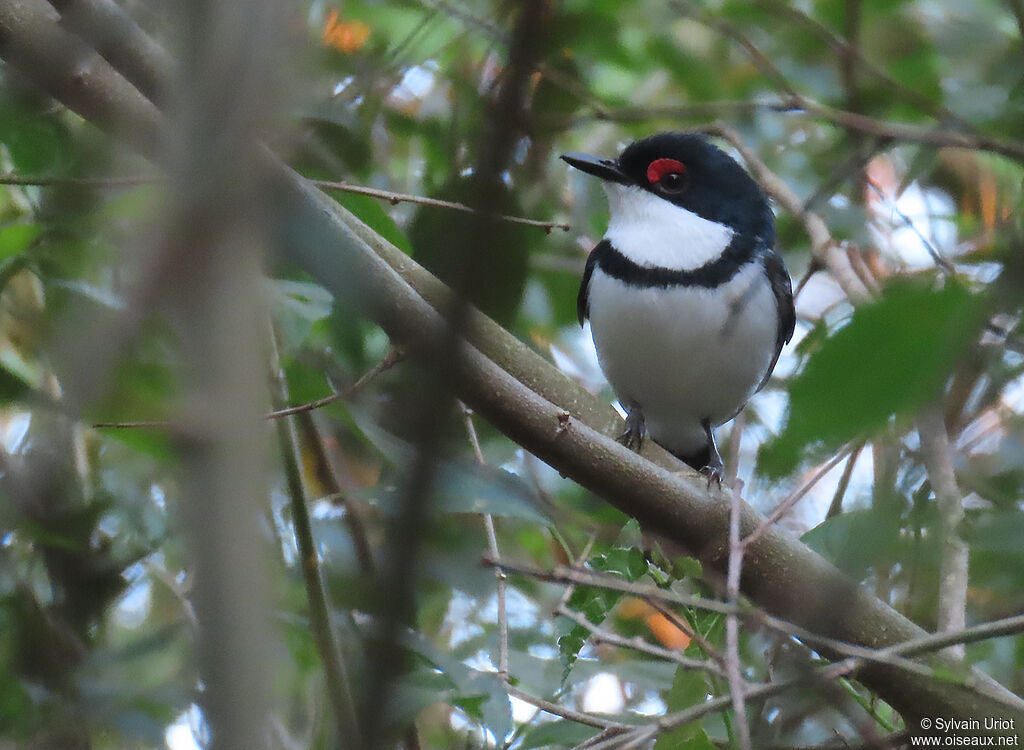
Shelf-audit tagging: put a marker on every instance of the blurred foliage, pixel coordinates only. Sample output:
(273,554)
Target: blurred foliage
(96,628)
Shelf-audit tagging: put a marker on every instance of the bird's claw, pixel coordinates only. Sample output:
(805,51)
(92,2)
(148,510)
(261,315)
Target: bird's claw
(636,428)
(714,467)
(714,472)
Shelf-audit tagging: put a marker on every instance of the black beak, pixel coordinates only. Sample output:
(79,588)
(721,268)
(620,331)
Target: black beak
(606,169)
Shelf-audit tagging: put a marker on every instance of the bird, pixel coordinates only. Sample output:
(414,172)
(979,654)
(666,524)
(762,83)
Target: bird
(689,303)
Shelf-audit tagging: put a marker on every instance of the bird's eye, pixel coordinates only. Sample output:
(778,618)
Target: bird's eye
(672,182)
(668,175)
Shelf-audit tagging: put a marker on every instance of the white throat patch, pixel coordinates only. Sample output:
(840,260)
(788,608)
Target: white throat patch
(650,231)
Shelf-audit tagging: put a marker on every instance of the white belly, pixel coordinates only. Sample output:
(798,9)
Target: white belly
(684,354)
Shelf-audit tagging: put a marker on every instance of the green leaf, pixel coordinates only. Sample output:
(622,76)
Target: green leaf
(371,213)
(464,487)
(689,688)
(34,139)
(631,534)
(629,563)
(687,567)
(15,239)
(461,486)
(12,387)
(626,562)
(999,533)
(481,694)
(891,358)
(855,540)
(594,604)
(556,734)
(297,306)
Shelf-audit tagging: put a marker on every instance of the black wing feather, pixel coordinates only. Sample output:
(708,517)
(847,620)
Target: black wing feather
(782,288)
(582,299)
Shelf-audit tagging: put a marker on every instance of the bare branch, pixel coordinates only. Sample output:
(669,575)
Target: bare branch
(854,58)
(501,579)
(344,187)
(394,198)
(886,131)
(637,736)
(566,713)
(892,655)
(339,687)
(732,626)
(937,456)
(394,356)
(933,251)
(732,466)
(836,506)
(116,36)
(824,248)
(794,497)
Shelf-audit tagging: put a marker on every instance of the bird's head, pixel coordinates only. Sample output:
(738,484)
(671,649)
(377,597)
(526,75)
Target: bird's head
(688,171)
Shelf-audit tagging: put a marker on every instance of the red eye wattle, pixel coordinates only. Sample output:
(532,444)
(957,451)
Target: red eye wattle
(661,167)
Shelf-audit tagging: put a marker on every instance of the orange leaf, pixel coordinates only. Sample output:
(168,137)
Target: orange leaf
(344,36)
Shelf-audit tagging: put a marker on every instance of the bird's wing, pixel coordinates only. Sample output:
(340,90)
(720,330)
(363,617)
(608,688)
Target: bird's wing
(582,299)
(782,288)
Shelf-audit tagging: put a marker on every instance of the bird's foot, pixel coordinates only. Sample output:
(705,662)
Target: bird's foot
(636,429)
(714,469)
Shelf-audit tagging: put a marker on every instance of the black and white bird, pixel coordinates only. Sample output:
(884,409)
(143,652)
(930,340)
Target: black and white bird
(689,303)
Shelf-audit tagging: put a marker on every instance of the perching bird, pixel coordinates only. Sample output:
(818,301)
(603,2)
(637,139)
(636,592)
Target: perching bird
(689,304)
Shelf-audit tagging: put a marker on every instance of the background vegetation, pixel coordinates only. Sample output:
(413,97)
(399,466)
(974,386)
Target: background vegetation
(422,553)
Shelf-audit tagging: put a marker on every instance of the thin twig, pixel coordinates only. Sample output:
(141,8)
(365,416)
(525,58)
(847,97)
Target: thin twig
(344,187)
(394,198)
(601,635)
(87,182)
(836,506)
(848,51)
(824,248)
(887,655)
(393,357)
(338,685)
(639,735)
(566,713)
(577,563)
(787,504)
(692,633)
(500,577)
(933,251)
(953,578)
(885,130)
(732,466)
(1012,625)
(321,467)
(732,626)
(583,577)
